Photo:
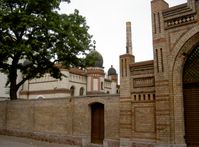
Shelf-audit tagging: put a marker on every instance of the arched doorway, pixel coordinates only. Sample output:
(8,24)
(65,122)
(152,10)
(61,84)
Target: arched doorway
(191,98)
(97,123)
(178,56)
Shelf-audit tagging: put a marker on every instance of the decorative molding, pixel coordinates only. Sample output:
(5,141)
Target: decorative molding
(38,92)
(143,82)
(179,15)
(140,68)
(46,81)
(180,21)
(144,97)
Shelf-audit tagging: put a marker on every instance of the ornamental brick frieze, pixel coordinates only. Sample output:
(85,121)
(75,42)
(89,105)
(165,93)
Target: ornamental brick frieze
(143,97)
(143,82)
(179,15)
(180,21)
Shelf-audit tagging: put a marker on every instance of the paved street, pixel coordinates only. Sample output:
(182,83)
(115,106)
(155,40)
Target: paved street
(10,141)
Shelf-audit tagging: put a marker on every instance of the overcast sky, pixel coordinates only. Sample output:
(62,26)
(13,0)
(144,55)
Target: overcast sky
(107,22)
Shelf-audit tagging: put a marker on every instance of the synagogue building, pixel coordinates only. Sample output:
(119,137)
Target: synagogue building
(157,104)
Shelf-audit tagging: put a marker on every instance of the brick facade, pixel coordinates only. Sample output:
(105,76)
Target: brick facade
(155,96)
(149,111)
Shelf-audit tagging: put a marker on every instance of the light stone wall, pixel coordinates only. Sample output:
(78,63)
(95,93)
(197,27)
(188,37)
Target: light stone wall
(46,96)
(89,83)
(78,81)
(107,87)
(48,87)
(4,92)
(113,87)
(78,86)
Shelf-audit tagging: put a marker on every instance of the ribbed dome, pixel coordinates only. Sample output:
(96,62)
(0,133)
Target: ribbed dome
(112,71)
(94,59)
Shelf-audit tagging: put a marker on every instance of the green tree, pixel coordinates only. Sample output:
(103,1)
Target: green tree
(34,37)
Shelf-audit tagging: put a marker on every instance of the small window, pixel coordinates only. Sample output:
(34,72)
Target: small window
(154,96)
(139,97)
(144,97)
(81,91)
(72,91)
(149,96)
(102,86)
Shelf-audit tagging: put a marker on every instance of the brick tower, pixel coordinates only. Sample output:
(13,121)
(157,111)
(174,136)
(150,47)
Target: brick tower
(125,98)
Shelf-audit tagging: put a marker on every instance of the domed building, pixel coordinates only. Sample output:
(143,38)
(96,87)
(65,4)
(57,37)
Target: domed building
(77,82)
(158,105)
(95,59)
(97,83)
(111,71)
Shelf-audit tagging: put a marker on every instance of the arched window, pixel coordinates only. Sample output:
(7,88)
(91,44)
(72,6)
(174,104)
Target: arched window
(149,96)
(72,91)
(139,97)
(102,86)
(81,91)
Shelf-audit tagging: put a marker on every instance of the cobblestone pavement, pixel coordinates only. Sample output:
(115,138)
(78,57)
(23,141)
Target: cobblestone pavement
(10,141)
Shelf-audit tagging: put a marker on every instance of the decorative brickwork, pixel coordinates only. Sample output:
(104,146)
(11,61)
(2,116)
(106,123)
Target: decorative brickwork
(156,87)
(150,111)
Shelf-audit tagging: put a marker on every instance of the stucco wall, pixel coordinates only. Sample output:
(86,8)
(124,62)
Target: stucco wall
(61,120)
(4,91)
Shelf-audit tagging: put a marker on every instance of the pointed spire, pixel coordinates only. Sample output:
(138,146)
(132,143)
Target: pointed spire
(128,38)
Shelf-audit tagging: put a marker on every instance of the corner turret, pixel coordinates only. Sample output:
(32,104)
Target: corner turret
(125,60)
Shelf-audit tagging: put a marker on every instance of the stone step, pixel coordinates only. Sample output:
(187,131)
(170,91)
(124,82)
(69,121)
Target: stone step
(94,145)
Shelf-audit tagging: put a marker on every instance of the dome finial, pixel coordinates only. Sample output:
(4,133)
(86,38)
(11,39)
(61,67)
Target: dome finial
(94,42)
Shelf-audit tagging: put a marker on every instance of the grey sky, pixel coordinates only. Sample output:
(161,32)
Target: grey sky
(107,20)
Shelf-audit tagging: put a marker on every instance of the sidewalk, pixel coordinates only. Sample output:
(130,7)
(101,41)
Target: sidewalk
(10,141)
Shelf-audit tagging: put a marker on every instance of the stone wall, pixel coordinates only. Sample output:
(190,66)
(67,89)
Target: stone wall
(59,120)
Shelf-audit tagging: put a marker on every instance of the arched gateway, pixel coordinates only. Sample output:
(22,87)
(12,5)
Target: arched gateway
(191,98)
(184,71)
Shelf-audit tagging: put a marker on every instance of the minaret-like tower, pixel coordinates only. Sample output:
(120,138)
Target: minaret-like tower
(128,38)
(125,60)
(125,87)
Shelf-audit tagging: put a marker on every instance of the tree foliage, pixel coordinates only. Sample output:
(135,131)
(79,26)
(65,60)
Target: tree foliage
(34,37)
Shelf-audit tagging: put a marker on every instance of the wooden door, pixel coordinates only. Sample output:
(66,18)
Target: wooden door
(97,123)
(191,106)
